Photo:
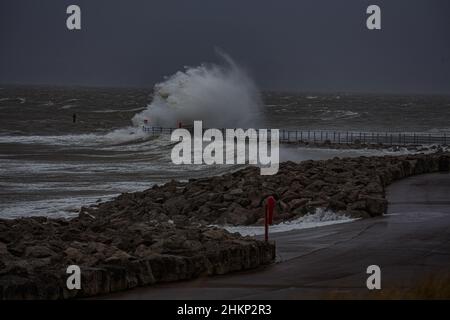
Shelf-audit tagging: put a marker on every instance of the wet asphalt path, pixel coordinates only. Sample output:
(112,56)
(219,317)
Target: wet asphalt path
(409,244)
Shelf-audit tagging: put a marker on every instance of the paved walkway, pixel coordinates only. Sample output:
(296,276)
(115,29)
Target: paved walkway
(410,243)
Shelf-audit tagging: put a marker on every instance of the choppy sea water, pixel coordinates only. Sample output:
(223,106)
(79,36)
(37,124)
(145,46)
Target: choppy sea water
(51,166)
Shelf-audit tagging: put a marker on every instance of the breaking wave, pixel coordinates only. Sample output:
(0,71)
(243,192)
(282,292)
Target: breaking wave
(118,136)
(319,218)
(222,95)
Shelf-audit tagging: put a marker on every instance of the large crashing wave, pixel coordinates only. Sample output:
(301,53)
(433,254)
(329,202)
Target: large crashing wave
(222,95)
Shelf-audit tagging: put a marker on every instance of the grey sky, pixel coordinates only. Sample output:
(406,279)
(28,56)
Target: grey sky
(302,45)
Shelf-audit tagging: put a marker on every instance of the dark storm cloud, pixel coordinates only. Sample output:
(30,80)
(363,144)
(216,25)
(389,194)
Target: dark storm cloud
(310,45)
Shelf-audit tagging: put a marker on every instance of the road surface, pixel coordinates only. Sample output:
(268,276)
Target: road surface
(409,244)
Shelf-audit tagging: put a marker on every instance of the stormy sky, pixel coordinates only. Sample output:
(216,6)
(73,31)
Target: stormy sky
(295,45)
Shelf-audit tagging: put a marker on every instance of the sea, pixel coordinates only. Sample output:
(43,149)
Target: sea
(51,165)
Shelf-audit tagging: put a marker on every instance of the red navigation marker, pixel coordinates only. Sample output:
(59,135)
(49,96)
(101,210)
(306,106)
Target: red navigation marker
(268,217)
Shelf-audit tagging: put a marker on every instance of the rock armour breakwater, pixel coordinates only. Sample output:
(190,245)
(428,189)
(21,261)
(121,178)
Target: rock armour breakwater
(162,234)
(354,186)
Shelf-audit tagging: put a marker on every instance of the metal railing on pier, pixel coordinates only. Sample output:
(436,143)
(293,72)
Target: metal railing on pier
(344,137)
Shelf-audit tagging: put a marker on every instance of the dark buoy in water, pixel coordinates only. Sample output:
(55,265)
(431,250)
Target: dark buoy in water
(74,118)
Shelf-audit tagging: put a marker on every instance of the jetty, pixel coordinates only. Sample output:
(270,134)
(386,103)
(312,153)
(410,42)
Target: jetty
(343,137)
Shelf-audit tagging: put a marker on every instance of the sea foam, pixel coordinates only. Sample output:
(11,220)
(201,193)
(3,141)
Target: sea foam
(221,95)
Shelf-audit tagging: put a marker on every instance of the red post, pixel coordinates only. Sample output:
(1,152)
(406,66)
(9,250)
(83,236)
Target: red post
(179,124)
(266,225)
(268,216)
